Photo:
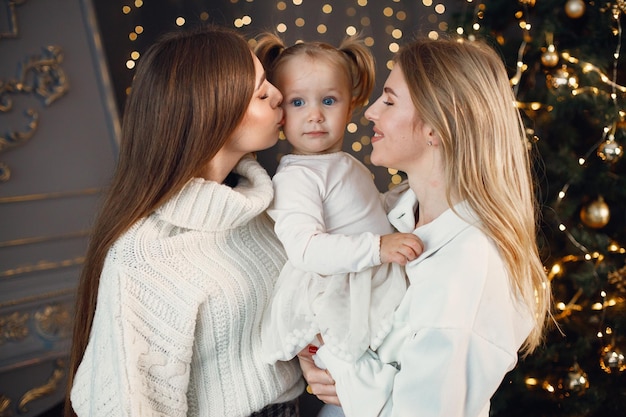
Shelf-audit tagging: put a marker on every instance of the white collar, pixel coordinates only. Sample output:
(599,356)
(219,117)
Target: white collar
(210,206)
(438,232)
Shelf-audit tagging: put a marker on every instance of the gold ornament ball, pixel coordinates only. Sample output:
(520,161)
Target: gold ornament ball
(575,8)
(562,77)
(596,214)
(622,5)
(610,151)
(550,58)
(612,360)
(575,381)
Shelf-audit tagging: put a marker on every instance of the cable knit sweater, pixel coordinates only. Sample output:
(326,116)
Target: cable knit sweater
(178,318)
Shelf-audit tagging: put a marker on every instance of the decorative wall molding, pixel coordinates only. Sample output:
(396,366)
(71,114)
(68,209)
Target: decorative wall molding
(14,327)
(44,390)
(11,14)
(41,75)
(58,148)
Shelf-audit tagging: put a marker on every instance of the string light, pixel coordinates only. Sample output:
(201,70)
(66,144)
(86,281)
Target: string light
(587,67)
(294,16)
(572,303)
(608,131)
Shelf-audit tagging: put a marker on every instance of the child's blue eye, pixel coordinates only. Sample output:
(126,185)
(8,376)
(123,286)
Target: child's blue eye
(328,101)
(297,102)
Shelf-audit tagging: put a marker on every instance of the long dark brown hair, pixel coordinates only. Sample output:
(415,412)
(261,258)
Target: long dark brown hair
(191,90)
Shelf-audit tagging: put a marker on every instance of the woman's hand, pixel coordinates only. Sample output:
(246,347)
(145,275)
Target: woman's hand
(319,381)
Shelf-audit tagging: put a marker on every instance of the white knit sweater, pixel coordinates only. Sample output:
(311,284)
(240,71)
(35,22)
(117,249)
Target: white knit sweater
(177,324)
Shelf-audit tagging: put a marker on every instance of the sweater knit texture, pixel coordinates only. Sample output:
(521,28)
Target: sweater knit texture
(178,317)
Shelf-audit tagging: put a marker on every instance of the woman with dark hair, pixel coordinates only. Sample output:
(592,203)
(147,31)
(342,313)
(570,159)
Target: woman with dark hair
(183,258)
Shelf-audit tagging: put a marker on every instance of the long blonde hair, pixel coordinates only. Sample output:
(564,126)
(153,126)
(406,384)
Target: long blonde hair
(191,90)
(352,57)
(462,89)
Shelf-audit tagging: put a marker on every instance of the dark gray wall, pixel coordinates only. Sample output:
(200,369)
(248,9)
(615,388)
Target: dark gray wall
(57,150)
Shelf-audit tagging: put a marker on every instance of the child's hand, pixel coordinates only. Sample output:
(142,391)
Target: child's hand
(400,248)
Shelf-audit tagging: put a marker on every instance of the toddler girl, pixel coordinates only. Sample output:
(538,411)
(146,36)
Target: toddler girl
(344,278)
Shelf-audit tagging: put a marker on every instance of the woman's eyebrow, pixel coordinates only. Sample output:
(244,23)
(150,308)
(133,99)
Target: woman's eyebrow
(389,90)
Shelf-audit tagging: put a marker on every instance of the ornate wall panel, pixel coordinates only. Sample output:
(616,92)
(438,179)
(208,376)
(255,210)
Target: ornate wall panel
(58,130)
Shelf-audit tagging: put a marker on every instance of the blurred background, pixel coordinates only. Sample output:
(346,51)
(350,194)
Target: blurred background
(65,70)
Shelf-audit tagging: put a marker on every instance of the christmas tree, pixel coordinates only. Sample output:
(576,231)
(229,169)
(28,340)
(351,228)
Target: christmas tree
(566,69)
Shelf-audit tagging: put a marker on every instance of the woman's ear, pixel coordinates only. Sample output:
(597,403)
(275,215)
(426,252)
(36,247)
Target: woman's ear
(431,135)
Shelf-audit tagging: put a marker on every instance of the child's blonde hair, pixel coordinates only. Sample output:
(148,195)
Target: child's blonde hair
(352,57)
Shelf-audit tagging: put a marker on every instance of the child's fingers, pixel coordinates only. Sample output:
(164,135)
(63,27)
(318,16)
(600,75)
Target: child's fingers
(415,243)
(410,253)
(400,248)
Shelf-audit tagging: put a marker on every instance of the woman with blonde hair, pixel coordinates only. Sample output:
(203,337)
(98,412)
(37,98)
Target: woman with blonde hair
(183,257)
(479,294)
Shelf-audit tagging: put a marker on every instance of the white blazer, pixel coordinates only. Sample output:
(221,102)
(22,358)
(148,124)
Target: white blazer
(455,335)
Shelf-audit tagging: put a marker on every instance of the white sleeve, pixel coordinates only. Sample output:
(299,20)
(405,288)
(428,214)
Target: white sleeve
(442,374)
(447,373)
(364,387)
(128,368)
(299,215)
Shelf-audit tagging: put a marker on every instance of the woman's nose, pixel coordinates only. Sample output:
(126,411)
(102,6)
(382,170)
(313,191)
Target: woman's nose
(276,96)
(278,99)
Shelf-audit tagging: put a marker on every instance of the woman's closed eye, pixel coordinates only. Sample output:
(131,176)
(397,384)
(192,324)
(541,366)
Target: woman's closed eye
(263,93)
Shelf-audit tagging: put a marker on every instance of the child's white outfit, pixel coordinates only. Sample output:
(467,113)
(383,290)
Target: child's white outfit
(330,216)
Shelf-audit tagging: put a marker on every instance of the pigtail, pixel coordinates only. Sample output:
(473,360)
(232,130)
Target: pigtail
(352,54)
(362,68)
(268,49)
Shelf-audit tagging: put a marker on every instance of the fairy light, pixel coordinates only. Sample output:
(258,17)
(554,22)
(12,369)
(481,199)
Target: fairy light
(587,67)
(616,54)
(533,105)
(530,381)
(520,66)
(607,131)
(478,14)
